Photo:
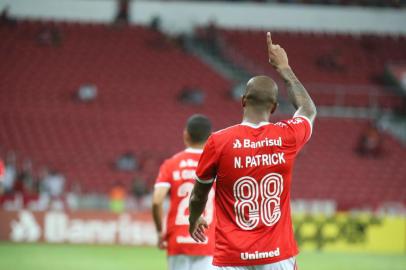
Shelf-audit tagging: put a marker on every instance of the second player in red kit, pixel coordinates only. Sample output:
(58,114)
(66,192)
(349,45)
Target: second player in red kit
(176,176)
(252,165)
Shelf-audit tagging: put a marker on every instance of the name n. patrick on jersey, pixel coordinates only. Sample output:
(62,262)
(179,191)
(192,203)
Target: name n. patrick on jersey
(249,161)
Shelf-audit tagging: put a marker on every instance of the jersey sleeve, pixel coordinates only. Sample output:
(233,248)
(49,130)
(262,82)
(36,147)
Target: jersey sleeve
(164,178)
(300,128)
(207,169)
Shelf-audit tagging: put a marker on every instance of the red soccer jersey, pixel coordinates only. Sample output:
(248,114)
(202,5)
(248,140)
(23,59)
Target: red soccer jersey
(2,170)
(253,166)
(179,173)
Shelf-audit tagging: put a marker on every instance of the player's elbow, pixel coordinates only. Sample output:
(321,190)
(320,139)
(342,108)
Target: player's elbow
(156,208)
(198,198)
(155,204)
(313,110)
(157,201)
(310,110)
(193,198)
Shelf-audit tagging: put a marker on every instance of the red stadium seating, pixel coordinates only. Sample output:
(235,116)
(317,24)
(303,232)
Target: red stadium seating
(139,73)
(358,62)
(328,167)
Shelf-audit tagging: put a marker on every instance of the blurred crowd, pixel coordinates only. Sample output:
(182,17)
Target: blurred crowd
(23,187)
(370,144)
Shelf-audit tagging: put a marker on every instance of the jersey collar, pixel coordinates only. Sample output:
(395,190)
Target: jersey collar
(248,124)
(193,150)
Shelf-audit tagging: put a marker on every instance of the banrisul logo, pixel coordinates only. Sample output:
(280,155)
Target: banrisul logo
(25,228)
(237,144)
(247,143)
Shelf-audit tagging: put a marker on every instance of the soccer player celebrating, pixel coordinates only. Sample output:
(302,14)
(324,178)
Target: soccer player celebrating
(252,163)
(177,176)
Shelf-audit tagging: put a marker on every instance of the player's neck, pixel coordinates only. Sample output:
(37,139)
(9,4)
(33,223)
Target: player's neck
(195,145)
(255,117)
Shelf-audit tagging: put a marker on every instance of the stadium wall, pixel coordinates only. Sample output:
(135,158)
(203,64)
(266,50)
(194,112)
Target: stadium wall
(183,16)
(79,227)
(339,232)
(101,11)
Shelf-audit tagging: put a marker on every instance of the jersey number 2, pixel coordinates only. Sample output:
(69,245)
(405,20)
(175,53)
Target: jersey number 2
(246,206)
(184,191)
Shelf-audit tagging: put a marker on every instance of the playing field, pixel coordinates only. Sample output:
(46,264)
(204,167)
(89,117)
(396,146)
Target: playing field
(82,257)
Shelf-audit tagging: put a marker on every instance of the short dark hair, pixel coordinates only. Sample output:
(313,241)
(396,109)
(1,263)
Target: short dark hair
(198,127)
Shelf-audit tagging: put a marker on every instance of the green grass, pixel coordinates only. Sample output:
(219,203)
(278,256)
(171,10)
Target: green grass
(82,257)
(350,261)
(79,257)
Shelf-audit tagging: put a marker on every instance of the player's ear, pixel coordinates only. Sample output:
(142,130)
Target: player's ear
(273,109)
(243,101)
(186,137)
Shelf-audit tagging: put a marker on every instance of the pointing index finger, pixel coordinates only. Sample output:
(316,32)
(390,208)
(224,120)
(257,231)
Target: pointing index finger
(269,39)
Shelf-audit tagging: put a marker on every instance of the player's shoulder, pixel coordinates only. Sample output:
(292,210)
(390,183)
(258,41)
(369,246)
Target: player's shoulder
(223,133)
(298,128)
(174,158)
(188,153)
(295,120)
(178,155)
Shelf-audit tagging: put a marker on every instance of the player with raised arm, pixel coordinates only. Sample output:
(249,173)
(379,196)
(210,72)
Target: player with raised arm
(252,164)
(176,176)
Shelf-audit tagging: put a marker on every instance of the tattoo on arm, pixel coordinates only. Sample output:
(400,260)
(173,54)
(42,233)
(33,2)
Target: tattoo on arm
(298,94)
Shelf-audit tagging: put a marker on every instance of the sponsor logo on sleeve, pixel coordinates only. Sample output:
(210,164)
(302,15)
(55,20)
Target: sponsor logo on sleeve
(295,121)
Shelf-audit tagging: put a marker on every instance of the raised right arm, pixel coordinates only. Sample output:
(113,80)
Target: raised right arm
(297,93)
